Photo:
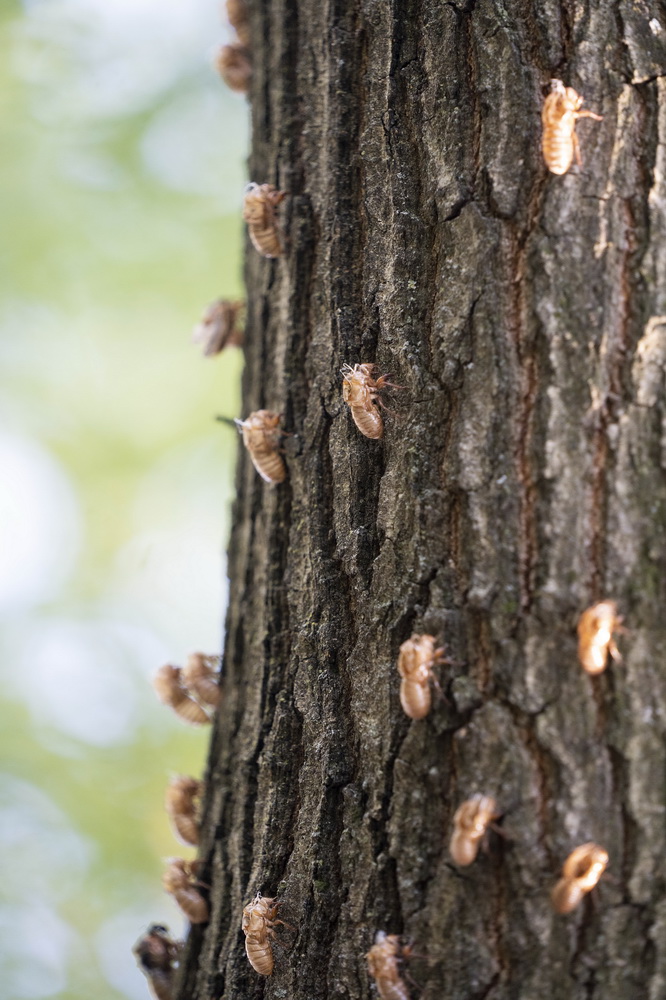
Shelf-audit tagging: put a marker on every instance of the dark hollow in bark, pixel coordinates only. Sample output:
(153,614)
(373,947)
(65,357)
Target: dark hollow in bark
(521,478)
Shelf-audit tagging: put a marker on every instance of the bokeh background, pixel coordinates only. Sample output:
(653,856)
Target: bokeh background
(123,163)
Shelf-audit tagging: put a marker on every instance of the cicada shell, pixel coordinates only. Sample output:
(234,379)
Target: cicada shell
(384,966)
(566,896)
(201,676)
(595,636)
(239,20)
(219,327)
(559,116)
(259,206)
(418,656)
(156,954)
(580,874)
(470,823)
(171,691)
(258,925)
(261,437)
(234,64)
(182,803)
(585,865)
(179,879)
(360,391)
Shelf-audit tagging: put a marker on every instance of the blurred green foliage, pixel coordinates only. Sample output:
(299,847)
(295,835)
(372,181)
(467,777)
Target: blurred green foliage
(120,196)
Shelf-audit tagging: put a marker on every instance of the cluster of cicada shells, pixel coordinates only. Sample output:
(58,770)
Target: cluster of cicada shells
(262,434)
(418,657)
(361,389)
(586,864)
(234,60)
(158,955)
(582,869)
(471,822)
(420,654)
(580,874)
(193,692)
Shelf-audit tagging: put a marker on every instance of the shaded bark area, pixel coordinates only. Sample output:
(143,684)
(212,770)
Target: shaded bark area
(522,476)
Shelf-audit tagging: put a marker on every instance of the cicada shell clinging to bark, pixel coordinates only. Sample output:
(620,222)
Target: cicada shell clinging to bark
(560,113)
(182,802)
(418,656)
(384,960)
(239,20)
(360,391)
(219,327)
(261,437)
(470,823)
(580,873)
(201,676)
(595,636)
(179,879)
(234,64)
(259,206)
(156,954)
(170,689)
(258,925)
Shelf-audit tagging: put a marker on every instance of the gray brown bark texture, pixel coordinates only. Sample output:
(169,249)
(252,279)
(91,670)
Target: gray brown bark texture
(522,476)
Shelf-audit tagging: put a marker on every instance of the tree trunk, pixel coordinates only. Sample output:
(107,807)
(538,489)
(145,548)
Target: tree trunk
(520,479)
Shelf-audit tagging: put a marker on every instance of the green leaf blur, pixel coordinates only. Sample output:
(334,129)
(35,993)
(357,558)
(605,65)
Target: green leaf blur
(121,185)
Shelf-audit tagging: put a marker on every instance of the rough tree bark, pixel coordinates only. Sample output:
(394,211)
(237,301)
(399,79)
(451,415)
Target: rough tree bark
(521,478)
